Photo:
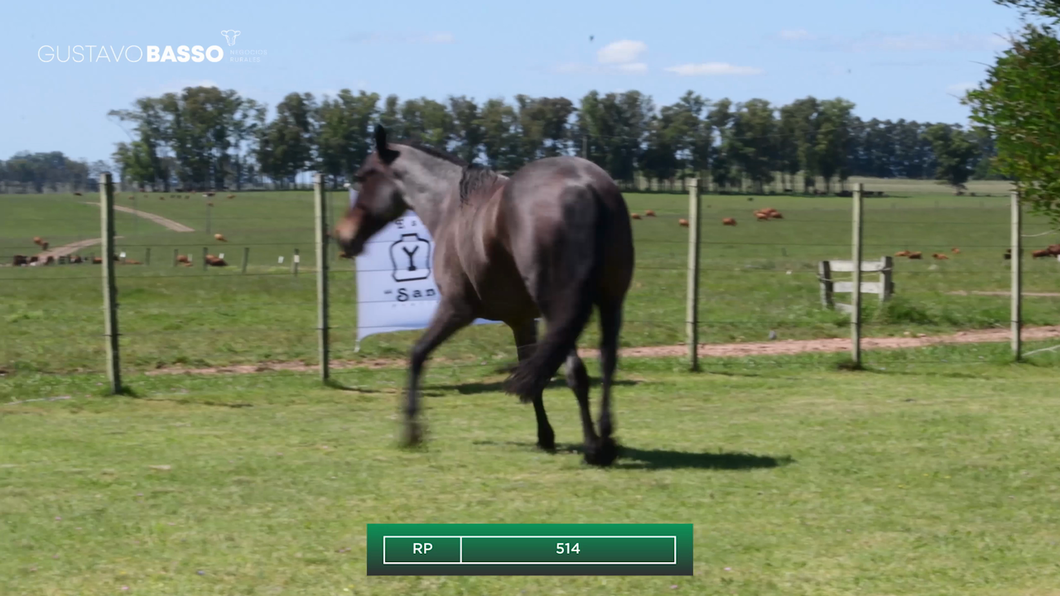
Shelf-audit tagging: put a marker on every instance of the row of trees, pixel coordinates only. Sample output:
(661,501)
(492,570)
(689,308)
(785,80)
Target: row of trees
(49,171)
(206,137)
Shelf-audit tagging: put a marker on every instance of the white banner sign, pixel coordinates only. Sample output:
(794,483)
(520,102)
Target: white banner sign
(395,283)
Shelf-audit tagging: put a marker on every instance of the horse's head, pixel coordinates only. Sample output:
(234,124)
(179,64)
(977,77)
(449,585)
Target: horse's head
(380,198)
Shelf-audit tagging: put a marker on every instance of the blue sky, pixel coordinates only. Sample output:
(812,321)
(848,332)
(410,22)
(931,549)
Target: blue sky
(895,59)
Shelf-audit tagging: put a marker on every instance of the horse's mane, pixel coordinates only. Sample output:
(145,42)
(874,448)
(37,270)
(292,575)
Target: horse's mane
(473,177)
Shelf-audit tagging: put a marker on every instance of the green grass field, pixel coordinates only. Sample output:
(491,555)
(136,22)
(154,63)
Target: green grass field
(931,472)
(756,277)
(799,479)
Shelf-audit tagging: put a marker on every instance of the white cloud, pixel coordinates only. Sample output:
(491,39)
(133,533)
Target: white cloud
(927,43)
(621,52)
(634,67)
(796,35)
(913,42)
(713,69)
(571,68)
(961,88)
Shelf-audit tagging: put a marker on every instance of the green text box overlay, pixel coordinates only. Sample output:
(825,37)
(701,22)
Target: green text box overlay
(529,549)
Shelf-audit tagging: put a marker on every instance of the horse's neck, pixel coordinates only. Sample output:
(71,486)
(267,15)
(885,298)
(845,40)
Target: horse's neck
(428,188)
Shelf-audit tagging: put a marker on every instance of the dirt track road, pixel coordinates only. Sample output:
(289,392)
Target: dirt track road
(176,226)
(69,249)
(771,348)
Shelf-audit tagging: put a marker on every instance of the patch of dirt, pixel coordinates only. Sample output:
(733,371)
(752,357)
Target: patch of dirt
(1007,293)
(69,249)
(770,348)
(158,219)
(800,346)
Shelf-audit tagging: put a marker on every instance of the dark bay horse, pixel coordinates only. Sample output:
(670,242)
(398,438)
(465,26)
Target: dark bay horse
(551,241)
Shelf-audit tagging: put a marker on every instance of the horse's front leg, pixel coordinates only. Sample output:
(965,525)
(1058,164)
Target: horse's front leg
(447,320)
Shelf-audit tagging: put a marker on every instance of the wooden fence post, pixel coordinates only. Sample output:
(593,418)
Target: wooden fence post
(294,263)
(855,296)
(824,276)
(692,303)
(147,257)
(246,257)
(110,288)
(204,253)
(887,279)
(176,254)
(1017,277)
(322,273)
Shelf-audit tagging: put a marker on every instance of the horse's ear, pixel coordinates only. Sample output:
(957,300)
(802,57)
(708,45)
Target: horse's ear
(380,138)
(387,154)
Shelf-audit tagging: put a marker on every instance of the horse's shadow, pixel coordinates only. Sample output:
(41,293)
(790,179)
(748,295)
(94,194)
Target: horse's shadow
(497,386)
(632,458)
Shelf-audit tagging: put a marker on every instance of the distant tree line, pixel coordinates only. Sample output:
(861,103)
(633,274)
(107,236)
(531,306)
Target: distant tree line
(205,137)
(49,172)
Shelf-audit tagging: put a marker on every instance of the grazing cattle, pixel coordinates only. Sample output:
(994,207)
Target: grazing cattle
(916,255)
(939,256)
(77,194)
(955,250)
(728,221)
(1041,254)
(213,261)
(902,253)
(37,240)
(1008,254)
(1054,249)
(219,238)
(776,215)
(182,259)
(554,240)
(20,261)
(683,223)
(76,259)
(635,215)
(649,213)
(230,197)
(97,260)
(761,216)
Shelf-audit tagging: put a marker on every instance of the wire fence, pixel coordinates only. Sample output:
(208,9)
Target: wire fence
(244,290)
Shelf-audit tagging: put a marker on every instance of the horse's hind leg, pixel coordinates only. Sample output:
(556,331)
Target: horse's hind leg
(525,342)
(610,324)
(578,381)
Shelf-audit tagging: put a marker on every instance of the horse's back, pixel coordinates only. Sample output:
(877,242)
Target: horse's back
(568,210)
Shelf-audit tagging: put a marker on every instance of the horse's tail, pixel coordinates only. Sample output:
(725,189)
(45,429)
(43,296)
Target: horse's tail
(573,285)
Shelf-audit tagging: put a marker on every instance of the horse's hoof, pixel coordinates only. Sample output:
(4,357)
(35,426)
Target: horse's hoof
(413,436)
(602,454)
(547,443)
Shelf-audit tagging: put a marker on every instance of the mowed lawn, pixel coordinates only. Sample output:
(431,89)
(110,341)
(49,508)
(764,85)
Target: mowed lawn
(799,479)
(755,277)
